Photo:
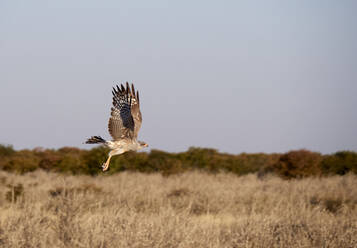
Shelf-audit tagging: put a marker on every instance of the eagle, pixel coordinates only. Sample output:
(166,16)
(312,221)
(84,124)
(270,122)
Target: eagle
(124,123)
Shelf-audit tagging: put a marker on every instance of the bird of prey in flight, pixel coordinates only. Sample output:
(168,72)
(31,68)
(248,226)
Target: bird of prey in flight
(124,123)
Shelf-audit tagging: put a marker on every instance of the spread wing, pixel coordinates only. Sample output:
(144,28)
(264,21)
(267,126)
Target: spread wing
(135,111)
(125,119)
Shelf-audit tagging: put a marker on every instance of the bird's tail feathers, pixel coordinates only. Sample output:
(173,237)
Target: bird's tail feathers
(95,140)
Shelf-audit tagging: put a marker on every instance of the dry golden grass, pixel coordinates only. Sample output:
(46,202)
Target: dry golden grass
(190,210)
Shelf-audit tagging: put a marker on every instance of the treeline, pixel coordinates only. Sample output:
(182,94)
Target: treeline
(293,164)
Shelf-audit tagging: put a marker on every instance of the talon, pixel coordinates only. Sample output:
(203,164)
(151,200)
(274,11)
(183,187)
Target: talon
(105,167)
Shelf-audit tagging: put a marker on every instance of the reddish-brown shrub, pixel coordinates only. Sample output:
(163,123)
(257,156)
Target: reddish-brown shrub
(299,163)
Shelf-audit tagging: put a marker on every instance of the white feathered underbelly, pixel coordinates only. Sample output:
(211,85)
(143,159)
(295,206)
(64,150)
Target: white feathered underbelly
(122,145)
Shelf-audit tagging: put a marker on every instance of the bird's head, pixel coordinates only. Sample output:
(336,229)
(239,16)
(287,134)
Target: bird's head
(142,144)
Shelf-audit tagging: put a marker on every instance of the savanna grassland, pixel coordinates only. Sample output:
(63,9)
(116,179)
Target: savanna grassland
(192,209)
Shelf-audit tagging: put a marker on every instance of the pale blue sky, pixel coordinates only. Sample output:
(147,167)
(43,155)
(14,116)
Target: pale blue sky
(239,76)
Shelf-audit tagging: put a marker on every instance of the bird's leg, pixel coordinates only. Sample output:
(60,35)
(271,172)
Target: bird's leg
(105,166)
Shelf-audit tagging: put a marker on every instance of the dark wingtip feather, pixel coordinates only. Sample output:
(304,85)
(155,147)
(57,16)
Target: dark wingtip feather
(133,89)
(127,88)
(122,88)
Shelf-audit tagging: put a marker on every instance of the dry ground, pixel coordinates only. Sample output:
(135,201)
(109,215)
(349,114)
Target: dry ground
(189,210)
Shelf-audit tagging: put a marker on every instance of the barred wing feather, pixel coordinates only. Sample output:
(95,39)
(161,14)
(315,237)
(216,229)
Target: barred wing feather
(125,120)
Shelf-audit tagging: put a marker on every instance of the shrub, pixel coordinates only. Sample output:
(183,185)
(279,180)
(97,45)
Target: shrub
(200,158)
(93,159)
(49,159)
(297,164)
(167,163)
(340,163)
(6,151)
(22,161)
(294,164)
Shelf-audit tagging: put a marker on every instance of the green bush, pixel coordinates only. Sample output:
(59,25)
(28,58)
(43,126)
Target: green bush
(340,163)
(22,161)
(164,162)
(6,150)
(93,159)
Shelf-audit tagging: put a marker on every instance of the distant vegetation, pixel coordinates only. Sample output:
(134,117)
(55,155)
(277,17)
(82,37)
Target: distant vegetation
(293,164)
